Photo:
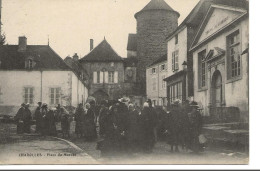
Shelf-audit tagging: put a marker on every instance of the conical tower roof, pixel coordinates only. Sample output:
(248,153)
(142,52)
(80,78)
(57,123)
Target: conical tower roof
(157,5)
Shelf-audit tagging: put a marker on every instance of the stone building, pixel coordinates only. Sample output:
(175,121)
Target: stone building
(154,23)
(156,72)
(33,73)
(111,76)
(219,66)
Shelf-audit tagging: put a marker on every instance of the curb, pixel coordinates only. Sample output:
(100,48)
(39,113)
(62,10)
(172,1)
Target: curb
(77,148)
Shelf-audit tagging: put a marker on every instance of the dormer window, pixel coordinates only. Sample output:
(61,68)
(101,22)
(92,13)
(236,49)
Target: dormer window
(30,64)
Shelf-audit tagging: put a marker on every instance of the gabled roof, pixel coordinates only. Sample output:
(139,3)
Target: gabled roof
(241,12)
(157,5)
(212,55)
(102,53)
(44,56)
(75,65)
(199,11)
(132,42)
(159,60)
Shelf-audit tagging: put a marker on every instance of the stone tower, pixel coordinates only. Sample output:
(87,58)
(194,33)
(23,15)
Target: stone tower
(154,23)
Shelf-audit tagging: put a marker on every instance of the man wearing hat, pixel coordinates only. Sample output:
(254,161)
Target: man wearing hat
(27,119)
(195,119)
(19,119)
(38,116)
(174,126)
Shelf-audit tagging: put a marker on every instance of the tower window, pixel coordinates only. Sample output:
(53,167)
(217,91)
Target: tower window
(176,39)
(29,64)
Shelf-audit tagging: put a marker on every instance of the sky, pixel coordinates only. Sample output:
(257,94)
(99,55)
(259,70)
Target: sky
(70,24)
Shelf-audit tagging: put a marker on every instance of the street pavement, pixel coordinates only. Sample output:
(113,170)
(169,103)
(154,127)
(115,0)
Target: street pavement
(33,149)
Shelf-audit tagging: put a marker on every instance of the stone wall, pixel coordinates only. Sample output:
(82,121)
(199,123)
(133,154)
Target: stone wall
(152,29)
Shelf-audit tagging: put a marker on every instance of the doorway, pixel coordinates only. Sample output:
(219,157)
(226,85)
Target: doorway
(216,89)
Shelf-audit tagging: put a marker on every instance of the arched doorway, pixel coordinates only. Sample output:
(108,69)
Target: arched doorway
(100,95)
(216,86)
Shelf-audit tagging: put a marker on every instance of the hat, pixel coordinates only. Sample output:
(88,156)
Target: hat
(194,104)
(39,103)
(23,104)
(44,105)
(146,104)
(27,104)
(177,102)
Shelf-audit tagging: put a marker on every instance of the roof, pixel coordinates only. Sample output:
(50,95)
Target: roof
(159,60)
(130,62)
(132,42)
(178,74)
(102,53)
(157,5)
(199,11)
(44,56)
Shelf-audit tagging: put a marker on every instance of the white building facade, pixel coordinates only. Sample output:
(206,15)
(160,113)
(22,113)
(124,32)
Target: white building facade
(155,84)
(219,65)
(27,77)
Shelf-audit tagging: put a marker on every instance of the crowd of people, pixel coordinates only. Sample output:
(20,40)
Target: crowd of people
(120,126)
(127,129)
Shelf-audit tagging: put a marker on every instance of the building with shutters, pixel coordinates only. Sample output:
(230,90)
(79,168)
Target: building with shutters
(156,72)
(36,73)
(220,62)
(111,76)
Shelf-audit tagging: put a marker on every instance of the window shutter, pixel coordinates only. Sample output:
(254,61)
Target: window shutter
(106,77)
(101,77)
(116,76)
(95,77)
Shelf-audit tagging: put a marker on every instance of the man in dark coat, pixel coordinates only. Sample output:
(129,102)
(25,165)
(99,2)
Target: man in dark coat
(102,117)
(44,120)
(195,119)
(19,119)
(51,122)
(174,126)
(79,116)
(38,117)
(65,123)
(27,119)
(154,119)
(133,129)
(148,124)
(108,145)
(89,127)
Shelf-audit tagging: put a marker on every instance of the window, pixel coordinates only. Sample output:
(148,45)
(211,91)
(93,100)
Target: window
(153,70)
(202,68)
(111,77)
(30,64)
(175,60)
(176,39)
(55,95)
(163,82)
(28,95)
(162,67)
(98,77)
(154,84)
(176,92)
(234,55)
(112,64)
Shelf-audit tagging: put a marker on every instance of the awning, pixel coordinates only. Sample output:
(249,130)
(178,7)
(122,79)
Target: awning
(180,73)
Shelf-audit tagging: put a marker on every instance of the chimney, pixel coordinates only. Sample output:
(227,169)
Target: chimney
(91,44)
(22,44)
(75,57)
